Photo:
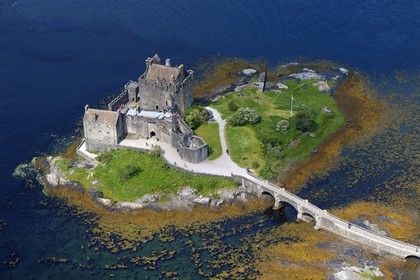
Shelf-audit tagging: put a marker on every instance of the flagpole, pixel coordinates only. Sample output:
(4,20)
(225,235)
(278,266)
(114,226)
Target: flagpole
(291,104)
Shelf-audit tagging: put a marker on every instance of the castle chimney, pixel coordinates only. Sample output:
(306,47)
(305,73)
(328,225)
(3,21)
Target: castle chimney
(93,117)
(168,62)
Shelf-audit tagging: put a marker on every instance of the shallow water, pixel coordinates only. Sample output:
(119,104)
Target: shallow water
(58,56)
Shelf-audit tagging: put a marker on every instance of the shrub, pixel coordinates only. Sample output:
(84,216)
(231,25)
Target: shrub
(327,117)
(255,165)
(282,126)
(274,151)
(303,121)
(244,116)
(128,172)
(156,151)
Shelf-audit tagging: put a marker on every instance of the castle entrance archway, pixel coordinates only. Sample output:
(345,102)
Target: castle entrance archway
(152,134)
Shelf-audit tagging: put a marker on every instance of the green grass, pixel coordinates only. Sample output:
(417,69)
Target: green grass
(210,133)
(155,176)
(243,146)
(245,143)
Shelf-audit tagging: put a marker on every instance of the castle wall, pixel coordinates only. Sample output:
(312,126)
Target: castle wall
(156,96)
(101,137)
(193,155)
(186,96)
(166,88)
(115,104)
(161,95)
(192,149)
(144,127)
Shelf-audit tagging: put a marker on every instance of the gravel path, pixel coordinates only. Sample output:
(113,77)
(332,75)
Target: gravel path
(221,166)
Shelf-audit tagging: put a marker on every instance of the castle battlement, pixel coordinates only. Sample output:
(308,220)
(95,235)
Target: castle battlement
(149,107)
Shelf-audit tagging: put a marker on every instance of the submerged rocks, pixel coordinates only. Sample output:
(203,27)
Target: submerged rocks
(375,228)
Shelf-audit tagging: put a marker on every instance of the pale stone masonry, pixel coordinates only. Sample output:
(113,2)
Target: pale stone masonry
(150,107)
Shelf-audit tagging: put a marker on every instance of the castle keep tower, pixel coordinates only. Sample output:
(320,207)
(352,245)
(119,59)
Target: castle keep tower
(162,87)
(148,109)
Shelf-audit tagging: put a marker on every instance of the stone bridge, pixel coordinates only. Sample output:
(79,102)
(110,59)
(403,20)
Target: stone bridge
(324,220)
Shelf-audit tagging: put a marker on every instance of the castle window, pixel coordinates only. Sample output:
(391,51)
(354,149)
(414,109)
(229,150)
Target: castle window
(157,107)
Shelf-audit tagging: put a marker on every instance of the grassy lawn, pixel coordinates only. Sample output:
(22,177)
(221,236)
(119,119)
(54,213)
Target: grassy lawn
(246,144)
(244,147)
(210,133)
(152,175)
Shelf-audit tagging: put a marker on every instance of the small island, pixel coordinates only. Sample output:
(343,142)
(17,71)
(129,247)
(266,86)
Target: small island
(153,147)
(239,145)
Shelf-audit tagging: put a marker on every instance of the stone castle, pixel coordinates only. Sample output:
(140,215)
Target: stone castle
(148,108)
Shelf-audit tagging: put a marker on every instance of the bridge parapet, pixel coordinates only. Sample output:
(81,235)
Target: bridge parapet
(333,224)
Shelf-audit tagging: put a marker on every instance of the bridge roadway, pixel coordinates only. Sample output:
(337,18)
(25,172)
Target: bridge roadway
(329,222)
(323,219)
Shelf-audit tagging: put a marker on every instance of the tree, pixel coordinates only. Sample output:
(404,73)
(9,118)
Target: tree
(192,120)
(196,117)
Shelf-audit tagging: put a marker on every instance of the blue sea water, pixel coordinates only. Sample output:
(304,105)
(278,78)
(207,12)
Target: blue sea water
(57,56)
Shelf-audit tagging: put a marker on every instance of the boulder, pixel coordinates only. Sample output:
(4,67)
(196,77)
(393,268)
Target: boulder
(249,71)
(148,198)
(322,86)
(281,86)
(202,200)
(306,74)
(343,71)
(186,192)
(326,110)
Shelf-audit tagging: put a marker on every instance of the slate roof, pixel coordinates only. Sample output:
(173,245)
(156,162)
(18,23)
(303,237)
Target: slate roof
(101,117)
(161,72)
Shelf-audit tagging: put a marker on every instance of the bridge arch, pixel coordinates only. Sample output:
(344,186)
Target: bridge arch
(412,257)
(308,217)
(269,194)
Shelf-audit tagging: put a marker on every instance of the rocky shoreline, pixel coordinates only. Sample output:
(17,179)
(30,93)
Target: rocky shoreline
(186,199)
